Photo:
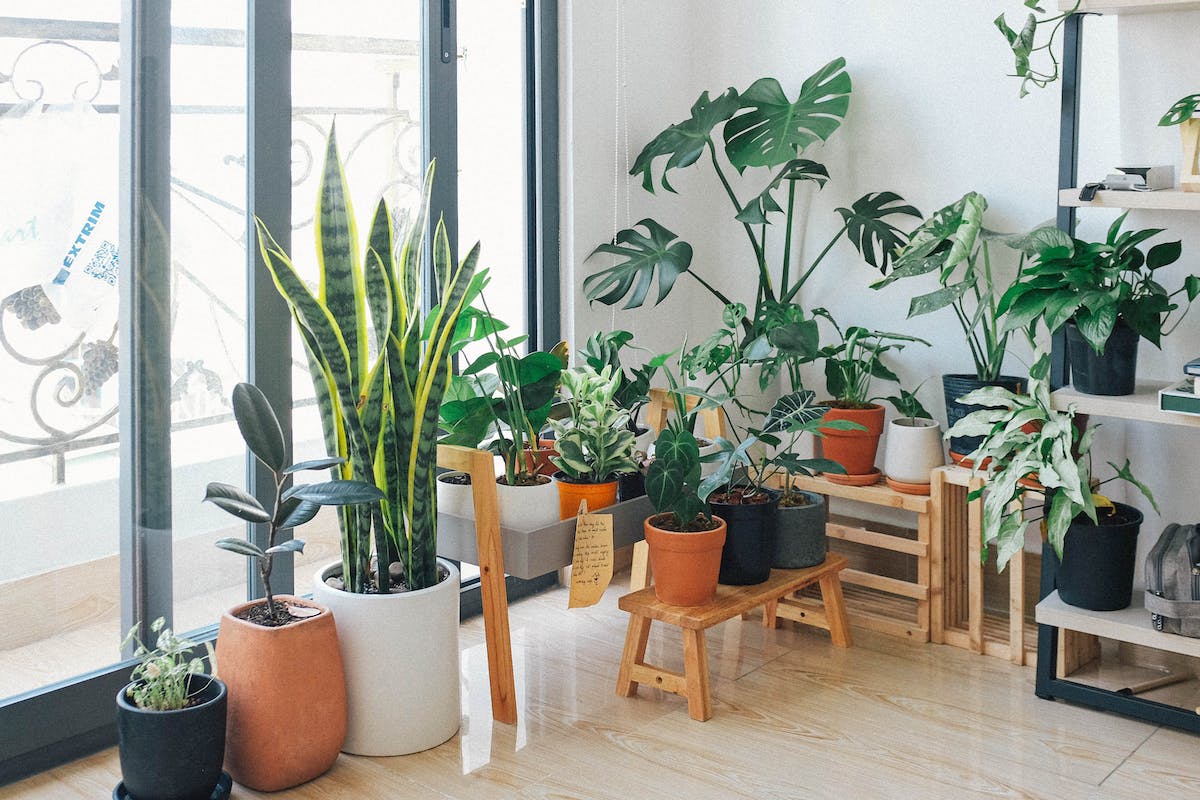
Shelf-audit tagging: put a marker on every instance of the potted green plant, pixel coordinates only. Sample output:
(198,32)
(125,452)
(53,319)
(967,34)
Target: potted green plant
(502,401)
(279,655)
(1029,446)
(685,539)
(1027,43)
(1107,295)
(759,128)
(171,722)
(954,244)
(380,367)
(913,446)
(851,365)
(594,443)
(1183,114)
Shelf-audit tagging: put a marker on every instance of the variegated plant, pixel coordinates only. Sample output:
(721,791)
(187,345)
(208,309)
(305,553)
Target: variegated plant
(593,443)
(380,368)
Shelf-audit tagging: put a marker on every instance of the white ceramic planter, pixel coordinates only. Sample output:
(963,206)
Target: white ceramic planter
(455,499)
(913,450)
(401,657)
(522,508)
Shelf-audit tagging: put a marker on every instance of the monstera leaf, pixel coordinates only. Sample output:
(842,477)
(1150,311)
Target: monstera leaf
(683,143)
(773,130)
(643,255)
(868,229)
(798,169)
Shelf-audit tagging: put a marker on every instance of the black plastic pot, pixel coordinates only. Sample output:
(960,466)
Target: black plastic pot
(173,755)
(954,387)
(801,541)
(1113,371)
(630,485)
(1096,570)
(749,541)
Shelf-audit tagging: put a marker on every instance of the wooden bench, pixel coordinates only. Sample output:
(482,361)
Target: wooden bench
(731,601)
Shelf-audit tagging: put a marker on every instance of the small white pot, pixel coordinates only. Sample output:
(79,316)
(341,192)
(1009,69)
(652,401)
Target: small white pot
(401,657)
(913,449)
(522,508)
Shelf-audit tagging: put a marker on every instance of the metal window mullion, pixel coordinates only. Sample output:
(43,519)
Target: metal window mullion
(439,115)
(145,322)
(542,188)
(269,198)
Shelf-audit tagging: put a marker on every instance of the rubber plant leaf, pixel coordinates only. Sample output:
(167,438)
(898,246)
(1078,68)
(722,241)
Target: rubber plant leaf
(259,426)
(316,463)
(236,501)
(241,547)
(869,230)
(337,493)
(644,254)
(683,143)
(295,512)
(771,130)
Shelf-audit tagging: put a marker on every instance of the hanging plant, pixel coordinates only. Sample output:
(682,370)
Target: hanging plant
(1025,46)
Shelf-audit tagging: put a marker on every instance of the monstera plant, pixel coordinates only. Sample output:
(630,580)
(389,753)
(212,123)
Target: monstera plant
(759,128)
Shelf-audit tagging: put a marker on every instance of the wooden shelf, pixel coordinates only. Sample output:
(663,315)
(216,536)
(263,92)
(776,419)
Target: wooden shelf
(1127,625)
(1141,406)
(1130,6)
(1164,200)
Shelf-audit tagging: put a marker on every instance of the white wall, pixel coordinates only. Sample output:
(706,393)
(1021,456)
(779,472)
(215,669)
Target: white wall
(933,115)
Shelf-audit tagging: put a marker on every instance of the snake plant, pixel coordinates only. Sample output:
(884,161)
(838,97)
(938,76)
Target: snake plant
(380,368)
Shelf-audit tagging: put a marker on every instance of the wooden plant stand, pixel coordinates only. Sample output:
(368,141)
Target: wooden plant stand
(731,601)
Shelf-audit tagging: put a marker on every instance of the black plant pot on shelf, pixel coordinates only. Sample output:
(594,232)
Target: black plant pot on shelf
(957,385)
(749,541)
(173,755)
(630,485)
(801,540)
(1111,372)
(1096,570)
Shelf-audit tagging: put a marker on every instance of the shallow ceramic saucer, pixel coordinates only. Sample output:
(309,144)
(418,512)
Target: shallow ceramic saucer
(865,479)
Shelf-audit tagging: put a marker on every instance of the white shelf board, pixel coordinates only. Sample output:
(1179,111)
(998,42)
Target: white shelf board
(1130,6)
(1127,625)
(1141,406)
(1164,200)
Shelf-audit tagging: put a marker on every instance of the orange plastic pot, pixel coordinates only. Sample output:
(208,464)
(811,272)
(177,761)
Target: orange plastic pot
(287,697)
(686,565)
(854,450)
(598,495)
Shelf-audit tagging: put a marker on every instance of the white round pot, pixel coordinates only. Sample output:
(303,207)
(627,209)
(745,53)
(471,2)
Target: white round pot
(522,508)
(400,653)
(913,449)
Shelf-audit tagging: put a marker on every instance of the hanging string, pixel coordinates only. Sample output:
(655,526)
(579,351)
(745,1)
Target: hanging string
(618,120)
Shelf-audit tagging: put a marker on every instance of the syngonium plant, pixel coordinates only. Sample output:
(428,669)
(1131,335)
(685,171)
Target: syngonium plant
(759,128)
(292,507)
(380,368)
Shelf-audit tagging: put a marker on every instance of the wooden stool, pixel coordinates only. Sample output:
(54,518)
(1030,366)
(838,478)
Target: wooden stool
(730,602)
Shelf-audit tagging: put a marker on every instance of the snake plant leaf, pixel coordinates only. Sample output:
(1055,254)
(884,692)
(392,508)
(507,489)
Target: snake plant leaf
(241,504)
(259,426)
(290,546)
(380,263)
(683,143)
(771,130)
(644,254)
(1182,111)
(756,211)
(868,228)
(241,547)
(341,283)
(294,512)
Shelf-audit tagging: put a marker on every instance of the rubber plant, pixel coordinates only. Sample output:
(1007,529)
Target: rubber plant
(380,368)
(1031,447)
(759,128)
(953,243)
(293,506)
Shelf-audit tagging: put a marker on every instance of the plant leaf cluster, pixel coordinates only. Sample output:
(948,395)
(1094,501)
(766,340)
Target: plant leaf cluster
(633,388)
(1027,43)
(594,443)
(160,681)
(1096,284)
(855,360)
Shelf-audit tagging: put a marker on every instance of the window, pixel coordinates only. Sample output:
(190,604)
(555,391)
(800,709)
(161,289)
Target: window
(158,146)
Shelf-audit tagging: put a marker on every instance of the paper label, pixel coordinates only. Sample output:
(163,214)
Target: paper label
(592,561)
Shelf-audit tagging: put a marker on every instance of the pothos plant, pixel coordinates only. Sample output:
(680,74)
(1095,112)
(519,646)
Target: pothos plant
(759,128)
(292,507)
(1037,35)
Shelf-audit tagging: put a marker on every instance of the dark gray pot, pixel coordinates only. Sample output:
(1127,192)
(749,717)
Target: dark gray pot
(801,541)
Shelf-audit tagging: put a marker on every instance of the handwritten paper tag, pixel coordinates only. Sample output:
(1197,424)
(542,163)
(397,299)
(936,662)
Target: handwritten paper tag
(592,561)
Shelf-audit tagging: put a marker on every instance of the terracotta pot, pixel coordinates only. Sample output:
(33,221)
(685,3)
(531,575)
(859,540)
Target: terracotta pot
(854,450)
(287,697)
(598,495)
(401,657)
(685,564)
(537,460)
